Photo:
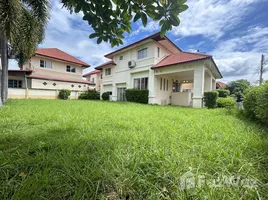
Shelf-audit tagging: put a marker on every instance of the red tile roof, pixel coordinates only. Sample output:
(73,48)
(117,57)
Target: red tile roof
(91,73)
(155,36)
(179,58)
(111,62)
(221,84)
(56,78)
(59,55)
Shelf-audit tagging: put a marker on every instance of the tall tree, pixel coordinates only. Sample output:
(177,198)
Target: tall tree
(111,18)
(238,86)
(22,25)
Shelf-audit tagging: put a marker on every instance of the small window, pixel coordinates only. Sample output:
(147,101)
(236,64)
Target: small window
(158,52)
(161,84)
(93,80)
(108,71)
(121,57)
(167,84)
(141,83)
(46,64)
(70,69)
(164,84)
(142,53)
(14,84)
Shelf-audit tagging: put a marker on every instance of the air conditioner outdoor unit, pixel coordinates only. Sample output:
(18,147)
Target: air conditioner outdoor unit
(131,63)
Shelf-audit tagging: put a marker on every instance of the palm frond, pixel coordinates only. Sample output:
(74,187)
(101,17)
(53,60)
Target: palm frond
(10,11)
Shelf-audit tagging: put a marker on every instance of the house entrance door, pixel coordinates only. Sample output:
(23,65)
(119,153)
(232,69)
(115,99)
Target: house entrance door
(121,94)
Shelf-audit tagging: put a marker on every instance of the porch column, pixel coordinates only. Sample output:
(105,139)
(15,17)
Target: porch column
(114,93)
(213,84)
(199,79)
(151,87)
(208,82)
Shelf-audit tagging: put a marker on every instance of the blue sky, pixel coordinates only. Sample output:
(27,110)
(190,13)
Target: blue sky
(235,32)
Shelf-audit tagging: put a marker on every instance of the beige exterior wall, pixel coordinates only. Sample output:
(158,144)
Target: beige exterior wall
(58,68)
(22,93)
(95,78)
(39,83)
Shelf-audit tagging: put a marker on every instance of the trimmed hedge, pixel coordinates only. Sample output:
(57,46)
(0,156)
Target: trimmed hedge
(64,94)
(138,96)
(105,96)
(223,93)
(210,99)
(256,103)
(90,95)
(226,103)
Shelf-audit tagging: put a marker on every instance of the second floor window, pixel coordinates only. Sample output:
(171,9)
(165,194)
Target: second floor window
(158,52)
(70,69)
(93,80)
(46,64)
(141,83)
(14,84)
(108,71)
(142,53)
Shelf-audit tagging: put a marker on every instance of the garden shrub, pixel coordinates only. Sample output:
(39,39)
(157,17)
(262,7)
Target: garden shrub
(256,103)
(138,96)
(90,95)
(210,99)
(64,94)
(223,93)
(105,96)
(228,102)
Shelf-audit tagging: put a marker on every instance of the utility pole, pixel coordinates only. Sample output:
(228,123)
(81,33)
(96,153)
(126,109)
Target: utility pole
(262,69)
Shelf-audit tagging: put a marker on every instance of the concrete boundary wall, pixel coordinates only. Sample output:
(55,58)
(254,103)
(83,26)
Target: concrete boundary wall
(23,93)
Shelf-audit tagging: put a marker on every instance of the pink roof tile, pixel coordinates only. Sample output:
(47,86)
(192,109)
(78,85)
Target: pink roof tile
(93,72)
(60,55)
(221,84)
(179,58)
(111,62)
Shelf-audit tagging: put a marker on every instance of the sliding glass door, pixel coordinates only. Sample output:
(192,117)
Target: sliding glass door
(121,94)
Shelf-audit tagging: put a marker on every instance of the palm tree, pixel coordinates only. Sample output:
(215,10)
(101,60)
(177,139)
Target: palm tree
(22,26)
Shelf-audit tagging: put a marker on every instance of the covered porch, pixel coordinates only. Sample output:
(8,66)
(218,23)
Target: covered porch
(183,85)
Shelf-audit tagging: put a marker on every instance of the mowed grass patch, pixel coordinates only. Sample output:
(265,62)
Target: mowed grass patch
(56,149)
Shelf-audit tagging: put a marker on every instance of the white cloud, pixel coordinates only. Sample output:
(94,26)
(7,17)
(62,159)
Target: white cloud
(239,57)
(211,18)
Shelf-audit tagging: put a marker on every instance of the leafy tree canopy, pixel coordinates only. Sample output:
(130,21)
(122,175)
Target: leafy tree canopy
(111,18)
(238,86)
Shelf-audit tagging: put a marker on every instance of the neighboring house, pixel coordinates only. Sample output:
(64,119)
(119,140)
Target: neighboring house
(49,69)
(220,84)
(171,75)
(94,77)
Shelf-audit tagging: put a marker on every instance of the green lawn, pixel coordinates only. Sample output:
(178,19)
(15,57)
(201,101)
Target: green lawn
(53,149)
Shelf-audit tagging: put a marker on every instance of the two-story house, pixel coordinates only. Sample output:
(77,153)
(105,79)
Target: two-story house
(50,69)
(171,75)
(94,77)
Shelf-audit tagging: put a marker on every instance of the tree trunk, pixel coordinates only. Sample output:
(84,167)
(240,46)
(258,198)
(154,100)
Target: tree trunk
(4,61)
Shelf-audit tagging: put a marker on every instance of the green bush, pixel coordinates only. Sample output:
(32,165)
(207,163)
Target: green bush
(228,102)
(223,93)
(90,95)
(256,103)
(138,96)
(64,94)
(105,96)
(210,99)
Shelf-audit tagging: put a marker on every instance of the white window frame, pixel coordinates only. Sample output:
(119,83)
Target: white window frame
(71,70)
(142,53)
(15,83)
(142,79)
(47,64)
(108,71)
